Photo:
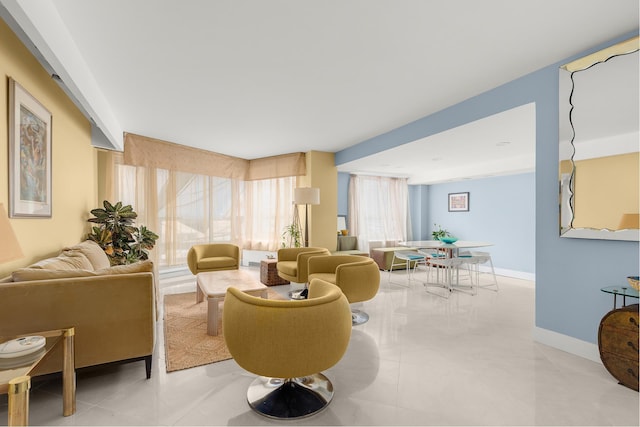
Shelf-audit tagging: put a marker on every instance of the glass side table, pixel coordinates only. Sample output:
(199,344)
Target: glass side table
(625,291)
(16,380)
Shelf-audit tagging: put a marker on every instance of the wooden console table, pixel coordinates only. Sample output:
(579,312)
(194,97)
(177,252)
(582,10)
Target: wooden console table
(618,336)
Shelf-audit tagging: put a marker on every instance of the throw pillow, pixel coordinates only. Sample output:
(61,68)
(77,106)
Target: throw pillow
(94,253)
(136,267)
(63,262)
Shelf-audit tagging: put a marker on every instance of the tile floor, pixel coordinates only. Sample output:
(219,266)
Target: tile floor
(420,360)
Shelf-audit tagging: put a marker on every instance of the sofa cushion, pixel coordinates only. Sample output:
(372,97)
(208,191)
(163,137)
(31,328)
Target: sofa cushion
(136,267)
(216,262)
(64,262)
(27,274)
(94,253)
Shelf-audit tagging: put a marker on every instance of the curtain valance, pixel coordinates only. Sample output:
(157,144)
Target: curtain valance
(150,152)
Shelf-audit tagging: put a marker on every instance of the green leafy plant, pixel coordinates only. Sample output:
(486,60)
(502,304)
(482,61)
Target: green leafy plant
(118,236)
(439,232)
(292,236)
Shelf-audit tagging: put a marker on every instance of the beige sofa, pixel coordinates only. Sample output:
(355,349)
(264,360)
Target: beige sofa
(113,309)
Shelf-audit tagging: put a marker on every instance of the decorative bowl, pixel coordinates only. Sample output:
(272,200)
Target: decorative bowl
(633,281)
(448,239)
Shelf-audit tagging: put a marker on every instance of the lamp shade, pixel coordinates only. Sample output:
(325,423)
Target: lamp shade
(9,247)
(306,196)
(629,221)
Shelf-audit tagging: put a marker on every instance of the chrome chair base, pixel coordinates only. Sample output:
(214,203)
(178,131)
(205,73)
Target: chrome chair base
(298,295)
(358,317)
(290,398)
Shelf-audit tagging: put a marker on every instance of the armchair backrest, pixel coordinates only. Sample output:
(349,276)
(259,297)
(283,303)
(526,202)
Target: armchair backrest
(264,336)
(357,276)
(360,281)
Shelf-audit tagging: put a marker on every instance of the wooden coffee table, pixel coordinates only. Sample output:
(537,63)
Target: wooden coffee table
(214,285)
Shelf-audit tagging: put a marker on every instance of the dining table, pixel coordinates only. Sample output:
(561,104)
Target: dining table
(448,250)
(451,248)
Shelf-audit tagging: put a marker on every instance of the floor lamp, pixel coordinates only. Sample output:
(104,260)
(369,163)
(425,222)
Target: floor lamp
(9,248)
(306,196)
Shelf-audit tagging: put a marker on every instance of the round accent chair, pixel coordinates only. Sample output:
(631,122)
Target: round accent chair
(292,262)
(288,343)
(213,257)
(292,265)
(357,276)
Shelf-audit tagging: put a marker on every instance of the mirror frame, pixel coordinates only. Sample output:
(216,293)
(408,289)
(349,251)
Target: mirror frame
(566,207)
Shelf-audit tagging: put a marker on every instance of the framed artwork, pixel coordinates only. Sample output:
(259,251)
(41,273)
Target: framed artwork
(29,155)
(458,202)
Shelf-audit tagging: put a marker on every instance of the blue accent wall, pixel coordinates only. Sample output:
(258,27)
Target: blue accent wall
(343,191)
(569,272)
(501,211)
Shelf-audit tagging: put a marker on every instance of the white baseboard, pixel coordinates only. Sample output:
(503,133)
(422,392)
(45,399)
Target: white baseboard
(517,274)
(510,273)
(254,257)
(566,343)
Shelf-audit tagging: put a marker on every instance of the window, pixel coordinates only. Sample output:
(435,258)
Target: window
(378,209)
(186,209)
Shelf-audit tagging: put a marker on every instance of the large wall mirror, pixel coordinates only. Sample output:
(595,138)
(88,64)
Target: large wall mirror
(599,145)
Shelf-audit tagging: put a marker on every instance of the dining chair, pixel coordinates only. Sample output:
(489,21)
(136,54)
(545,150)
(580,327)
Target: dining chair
(473,259)
(446,266)
(409,260)
(433,254)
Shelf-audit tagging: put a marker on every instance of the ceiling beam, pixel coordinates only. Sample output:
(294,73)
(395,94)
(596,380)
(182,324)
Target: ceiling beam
(42,25)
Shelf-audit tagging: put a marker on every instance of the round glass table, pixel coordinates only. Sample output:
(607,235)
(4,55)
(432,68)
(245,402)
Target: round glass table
(625,291)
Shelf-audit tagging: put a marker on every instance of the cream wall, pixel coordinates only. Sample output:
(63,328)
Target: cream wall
(74,160)
(323,218)
(606,188)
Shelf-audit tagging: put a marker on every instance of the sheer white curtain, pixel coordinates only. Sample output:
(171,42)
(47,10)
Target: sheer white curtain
(186,209)
(378,210)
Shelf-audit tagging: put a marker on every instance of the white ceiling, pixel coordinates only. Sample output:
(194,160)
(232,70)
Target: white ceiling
(254,78)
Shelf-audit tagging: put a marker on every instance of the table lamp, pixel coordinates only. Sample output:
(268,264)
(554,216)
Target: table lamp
(9,246)
(306,196)
(629,221)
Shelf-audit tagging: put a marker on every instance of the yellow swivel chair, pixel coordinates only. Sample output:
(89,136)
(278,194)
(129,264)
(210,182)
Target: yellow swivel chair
(261,337)
(357,276)
(213,257)
(292,266)
(292,262)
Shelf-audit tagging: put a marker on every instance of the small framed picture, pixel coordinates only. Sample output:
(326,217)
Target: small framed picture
(29,155)
(458,202)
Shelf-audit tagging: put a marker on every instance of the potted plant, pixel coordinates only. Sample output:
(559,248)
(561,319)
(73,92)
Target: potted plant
(292,236)
(118,236)
(439,232)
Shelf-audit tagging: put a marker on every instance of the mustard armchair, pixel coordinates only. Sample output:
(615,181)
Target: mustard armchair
(262,339)
(292,262)
(213,257)
(357,276)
